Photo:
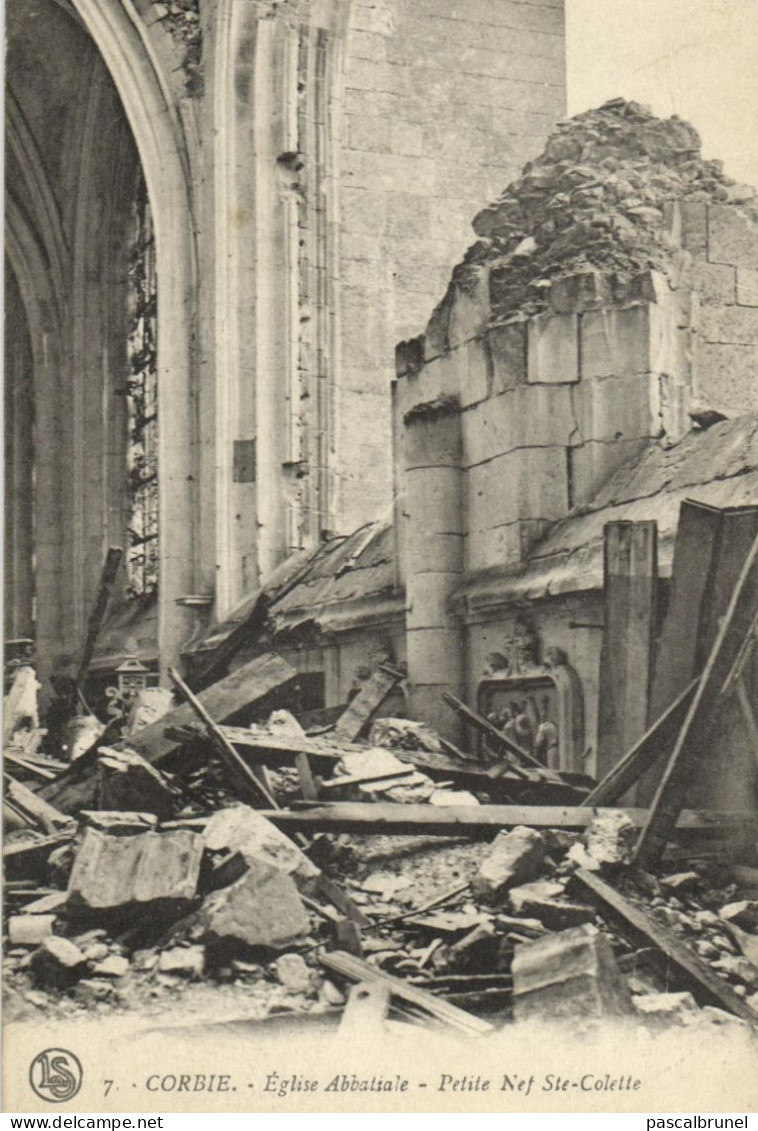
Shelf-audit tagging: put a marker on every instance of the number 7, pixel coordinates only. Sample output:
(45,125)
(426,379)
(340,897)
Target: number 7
(108,1086)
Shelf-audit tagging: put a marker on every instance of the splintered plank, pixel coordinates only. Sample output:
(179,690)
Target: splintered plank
(685,971)
(240,689)
(659,738)
(74,789)
(357,970)
(366,703)
(389,818)
(33,808)
(111,566)
(694,737)
(630,586)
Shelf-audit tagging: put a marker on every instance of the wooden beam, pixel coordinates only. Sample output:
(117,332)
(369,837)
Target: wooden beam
(659,738)
(630,584)
(111,566)
(684,970)
(366,703)
(693,740)
(494,735)
(356,970)
(251,787)
(389,818)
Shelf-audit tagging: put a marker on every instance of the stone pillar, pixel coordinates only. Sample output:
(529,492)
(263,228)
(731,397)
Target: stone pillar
(434,535)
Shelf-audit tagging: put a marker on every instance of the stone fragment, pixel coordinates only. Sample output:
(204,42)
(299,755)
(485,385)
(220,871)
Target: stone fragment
(29,930)
(568,975)
(118,823)
(293,973)
(512,859)
(46,904)
(443,798)
(610,836)
(57,963)
(94,951)
(735,966)
(114,966)
(707,950)
(184,961)
(284,724)
(667,1009)
(261,910)
(541,901)
(124,780)
(476,951)
(330,995)
(743,913)
(120,874)
(81,732)
(242,830)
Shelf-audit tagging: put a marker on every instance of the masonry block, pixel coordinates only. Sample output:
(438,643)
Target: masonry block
(437,337)
(615,343)
(594,462)
(694,226)
(569,975)
(409,356)
(732,236)
(574,294)
(433,501)
(432,435)
(553,348)
(747,286)
(445,550)
(715,282)
(617,408)
(508,352)
(731,324)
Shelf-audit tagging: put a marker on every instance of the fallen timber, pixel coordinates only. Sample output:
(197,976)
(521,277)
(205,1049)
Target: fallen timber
(388,818)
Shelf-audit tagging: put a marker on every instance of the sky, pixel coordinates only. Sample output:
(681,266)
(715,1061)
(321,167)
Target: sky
(694,58)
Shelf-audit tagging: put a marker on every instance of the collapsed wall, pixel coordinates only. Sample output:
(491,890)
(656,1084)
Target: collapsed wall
(610,300)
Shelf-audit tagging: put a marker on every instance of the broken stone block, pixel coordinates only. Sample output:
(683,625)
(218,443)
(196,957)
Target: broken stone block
(667,1009)
(293,973)
(743,913)
(114,966)
(568,975)
(262,909)
(284,724)
(478,950)
(120,874)
(513,858)
(81,732)
(46,904)
(610,836)
(29,930)
(735,966)
(443,798)
(124,780)
(244,831)
(185,961)
(58,963)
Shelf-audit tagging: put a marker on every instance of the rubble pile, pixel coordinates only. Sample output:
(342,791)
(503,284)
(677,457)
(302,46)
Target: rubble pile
(594,205)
